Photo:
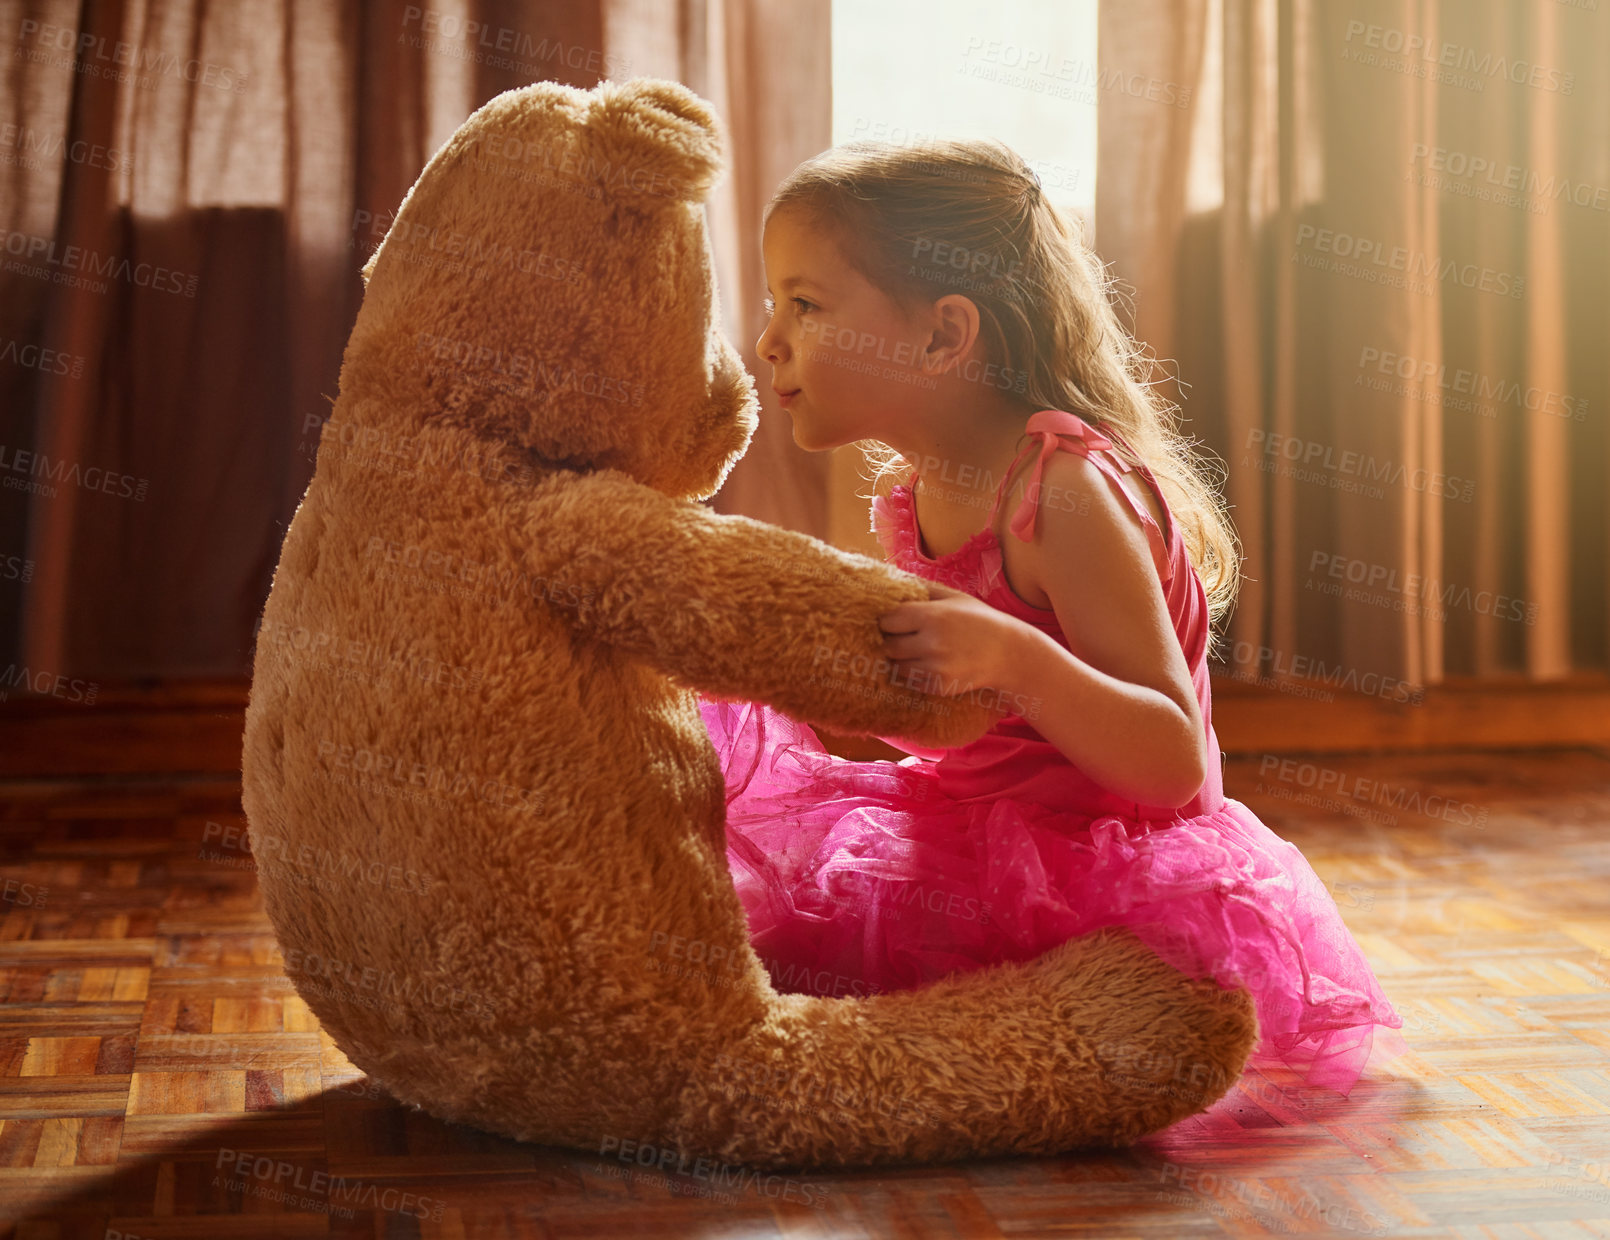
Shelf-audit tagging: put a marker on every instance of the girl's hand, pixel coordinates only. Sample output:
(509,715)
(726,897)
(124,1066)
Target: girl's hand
(962,643)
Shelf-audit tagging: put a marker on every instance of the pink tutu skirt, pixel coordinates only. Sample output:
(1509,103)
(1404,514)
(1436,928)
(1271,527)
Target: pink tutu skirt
(862,877)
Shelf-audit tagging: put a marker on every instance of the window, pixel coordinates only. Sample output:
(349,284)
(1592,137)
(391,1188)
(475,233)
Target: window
(909,70)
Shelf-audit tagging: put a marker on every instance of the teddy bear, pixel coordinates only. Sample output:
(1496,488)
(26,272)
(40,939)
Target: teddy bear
(487,819)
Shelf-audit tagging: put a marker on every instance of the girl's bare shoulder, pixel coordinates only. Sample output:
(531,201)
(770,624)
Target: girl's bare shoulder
(1084,525)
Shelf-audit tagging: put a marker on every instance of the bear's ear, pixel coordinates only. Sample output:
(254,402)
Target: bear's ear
(652,138)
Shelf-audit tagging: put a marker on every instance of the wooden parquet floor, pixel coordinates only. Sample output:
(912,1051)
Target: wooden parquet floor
(162,1079)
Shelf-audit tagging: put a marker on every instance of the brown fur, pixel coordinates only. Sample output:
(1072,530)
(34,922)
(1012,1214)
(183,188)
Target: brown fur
(505,955)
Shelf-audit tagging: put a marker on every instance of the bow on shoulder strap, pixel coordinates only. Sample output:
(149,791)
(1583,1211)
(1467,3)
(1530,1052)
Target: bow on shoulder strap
(1049,425)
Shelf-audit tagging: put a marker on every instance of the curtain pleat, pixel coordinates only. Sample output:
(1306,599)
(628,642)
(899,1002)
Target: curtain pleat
(1414,466)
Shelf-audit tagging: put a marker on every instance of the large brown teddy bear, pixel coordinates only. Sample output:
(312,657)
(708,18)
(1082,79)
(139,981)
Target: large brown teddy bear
(489,822)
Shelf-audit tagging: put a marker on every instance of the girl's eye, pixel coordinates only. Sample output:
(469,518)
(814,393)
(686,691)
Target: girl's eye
(770,307)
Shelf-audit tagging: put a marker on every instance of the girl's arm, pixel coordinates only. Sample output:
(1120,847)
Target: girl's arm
(1123,709)
(858,748)
(1132,738)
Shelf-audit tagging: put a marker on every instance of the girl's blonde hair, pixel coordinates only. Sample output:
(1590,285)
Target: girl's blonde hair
(970,217)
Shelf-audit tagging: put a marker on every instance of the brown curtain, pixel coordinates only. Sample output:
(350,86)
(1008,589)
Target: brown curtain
(190,190)
(1375,242)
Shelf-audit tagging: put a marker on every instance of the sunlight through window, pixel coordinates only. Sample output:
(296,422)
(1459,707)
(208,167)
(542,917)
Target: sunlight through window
(910,70)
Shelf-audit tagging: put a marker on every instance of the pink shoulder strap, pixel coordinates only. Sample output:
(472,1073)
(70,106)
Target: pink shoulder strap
(1057,428)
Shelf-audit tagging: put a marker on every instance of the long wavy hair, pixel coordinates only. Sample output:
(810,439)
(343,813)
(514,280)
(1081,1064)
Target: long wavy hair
(903,215)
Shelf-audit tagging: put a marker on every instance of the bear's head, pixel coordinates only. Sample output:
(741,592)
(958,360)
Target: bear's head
(546,285)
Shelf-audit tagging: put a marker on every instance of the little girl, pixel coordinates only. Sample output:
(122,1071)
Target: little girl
(932,301)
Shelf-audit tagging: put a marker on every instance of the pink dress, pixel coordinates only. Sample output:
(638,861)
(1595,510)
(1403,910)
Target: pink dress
(865,876)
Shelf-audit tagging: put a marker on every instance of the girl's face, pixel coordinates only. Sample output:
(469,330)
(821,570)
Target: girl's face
(847,362)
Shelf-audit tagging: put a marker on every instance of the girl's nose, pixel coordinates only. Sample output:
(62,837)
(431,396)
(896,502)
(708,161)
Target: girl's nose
(769,346)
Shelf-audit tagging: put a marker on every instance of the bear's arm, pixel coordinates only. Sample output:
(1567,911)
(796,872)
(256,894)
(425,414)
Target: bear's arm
(736,608)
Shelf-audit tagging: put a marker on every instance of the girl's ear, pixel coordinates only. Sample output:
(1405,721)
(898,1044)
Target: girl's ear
(956,326)
(651,138)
